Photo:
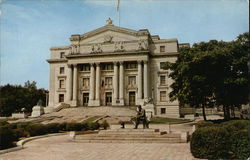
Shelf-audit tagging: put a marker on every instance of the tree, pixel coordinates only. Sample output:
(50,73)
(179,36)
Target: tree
(210,73)
(15,97)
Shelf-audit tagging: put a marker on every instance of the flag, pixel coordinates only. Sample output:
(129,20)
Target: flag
(118,5)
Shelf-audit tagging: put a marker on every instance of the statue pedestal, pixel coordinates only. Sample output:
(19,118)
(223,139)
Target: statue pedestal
(37,111)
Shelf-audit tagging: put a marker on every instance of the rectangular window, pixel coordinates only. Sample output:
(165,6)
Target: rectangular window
(162,48)
(163,96)
(162,65)
(107,66)
(108,81)
(62,55)
(131,80)
(163,80)
(131,65)
(85,82)
(61,84)
(61,70)
(163,110)
(61,97)
(85,67)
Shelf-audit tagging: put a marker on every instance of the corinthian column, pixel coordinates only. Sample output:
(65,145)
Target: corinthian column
(69,84)
(75,86)
(139,94)
(97,85)
(92,84)
(121,83)
(145,79)
(115,84)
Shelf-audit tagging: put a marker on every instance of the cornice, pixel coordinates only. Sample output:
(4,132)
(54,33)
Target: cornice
(60,48)
(56,60)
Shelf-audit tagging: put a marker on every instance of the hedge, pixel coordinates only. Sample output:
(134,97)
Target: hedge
(12,132)
(227,140)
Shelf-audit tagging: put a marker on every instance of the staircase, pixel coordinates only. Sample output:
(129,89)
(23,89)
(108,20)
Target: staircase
(131,136)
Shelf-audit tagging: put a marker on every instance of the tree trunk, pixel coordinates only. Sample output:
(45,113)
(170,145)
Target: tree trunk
(226,110)
(228,113)
(203,112)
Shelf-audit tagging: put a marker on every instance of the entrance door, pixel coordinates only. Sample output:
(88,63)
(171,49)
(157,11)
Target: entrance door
(108,98)
(131,98)
(85,99)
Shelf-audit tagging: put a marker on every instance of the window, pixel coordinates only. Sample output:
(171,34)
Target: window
(131,80)
(163,110)
(61,84)
(108,81)
(162,48)
(131,65)
(162,65)
(107,66)
(85,82)
(61,70)
(62,55)
(85,67)
(61,97)
(162,80)
(163,96)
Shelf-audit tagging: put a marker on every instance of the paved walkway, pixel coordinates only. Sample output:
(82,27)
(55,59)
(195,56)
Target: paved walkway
(60,148)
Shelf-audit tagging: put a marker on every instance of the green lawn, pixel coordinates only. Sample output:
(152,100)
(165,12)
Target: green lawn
(161,120)
(91,119)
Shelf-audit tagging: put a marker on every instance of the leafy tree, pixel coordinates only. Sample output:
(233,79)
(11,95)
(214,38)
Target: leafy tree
(210,73)
(15,97)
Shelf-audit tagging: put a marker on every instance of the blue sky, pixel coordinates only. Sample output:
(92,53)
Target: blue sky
(30,27)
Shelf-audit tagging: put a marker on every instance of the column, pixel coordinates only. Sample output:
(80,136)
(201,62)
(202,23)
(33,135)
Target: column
(121,83)
(69,83)
(145,79)
(139,94)
(97,85)
(92,84)
(115,83)
(75,85)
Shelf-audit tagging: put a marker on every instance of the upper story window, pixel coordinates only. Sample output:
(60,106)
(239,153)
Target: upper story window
(163,80)
(85,67)
(108,66)
(85,82)
(131,65)
(131,80)
(62,55)
(61,84)
(62,70)
(108,81)
(162,65)
(162,48)
(163,96)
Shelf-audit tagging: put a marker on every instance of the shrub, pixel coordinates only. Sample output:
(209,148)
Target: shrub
(237,124)
(53,127)
(210,143)
(36,129)
(241,146)
(201,124)
(20,132)
(93,126)
(104,124)
(62,126)
(73,126)
(6,137)
(3,122)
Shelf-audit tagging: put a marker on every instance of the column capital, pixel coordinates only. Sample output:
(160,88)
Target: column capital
(74,65)
(91,64)
(139,61)
(97,63)
(69,65)
(115,62)
(121,62)
(145,61)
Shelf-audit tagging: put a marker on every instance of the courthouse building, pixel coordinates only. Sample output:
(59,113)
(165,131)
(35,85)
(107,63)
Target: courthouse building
(114,66)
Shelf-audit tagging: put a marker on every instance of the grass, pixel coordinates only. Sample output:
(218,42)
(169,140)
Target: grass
(91,119)
(162,120)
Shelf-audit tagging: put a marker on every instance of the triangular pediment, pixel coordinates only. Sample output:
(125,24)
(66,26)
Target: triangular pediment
(109,33)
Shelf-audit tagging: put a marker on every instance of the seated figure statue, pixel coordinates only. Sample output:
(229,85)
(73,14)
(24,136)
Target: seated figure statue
(141,117)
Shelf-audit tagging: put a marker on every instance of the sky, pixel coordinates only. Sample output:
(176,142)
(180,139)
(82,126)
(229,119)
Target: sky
(29,28)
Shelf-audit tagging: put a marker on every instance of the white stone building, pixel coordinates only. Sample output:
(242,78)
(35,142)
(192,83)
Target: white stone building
(114,66)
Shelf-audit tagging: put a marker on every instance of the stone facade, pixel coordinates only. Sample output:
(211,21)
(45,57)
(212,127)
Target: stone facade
(114,66)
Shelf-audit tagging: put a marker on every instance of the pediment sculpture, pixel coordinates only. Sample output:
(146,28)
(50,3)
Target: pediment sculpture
(96,48)
(74,49)
(108,38)
(143,45)
(119,46)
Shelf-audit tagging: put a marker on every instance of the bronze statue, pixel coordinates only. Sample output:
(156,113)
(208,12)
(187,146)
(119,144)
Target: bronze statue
(141,117)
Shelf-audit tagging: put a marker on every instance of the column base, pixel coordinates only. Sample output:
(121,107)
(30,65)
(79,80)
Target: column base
(116,102)
(73,103)
(121,102)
